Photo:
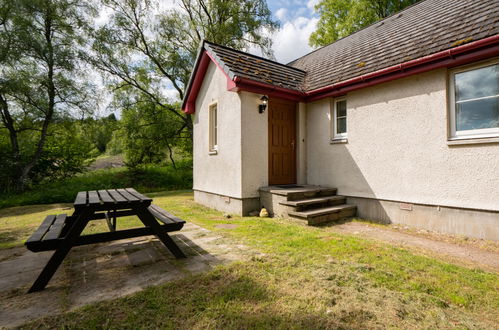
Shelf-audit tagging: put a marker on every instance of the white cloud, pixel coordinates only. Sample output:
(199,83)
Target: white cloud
(281,14)
(291,40)
(311,4)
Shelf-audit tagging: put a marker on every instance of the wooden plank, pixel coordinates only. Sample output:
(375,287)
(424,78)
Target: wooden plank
(81,199)
(93,198)
(138,195)
(149,221)
(115,235)
(42,230)
(100,215)
(116,196)
(56,228)
(105,197)
(128,196)
(165,214)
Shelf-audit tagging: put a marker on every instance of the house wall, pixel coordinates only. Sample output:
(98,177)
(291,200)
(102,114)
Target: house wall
(217,175)
(397,151)
(229,180)
(254,143)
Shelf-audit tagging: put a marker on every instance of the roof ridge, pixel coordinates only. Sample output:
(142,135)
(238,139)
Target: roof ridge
(256,56)
(364,28)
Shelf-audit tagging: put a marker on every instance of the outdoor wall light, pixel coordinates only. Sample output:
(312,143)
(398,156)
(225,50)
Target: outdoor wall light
(263,106)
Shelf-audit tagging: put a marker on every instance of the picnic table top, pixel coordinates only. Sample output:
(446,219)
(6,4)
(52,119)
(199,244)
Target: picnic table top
(110,197)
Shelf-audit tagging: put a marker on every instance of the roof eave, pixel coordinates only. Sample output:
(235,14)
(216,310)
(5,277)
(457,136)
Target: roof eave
(460,55)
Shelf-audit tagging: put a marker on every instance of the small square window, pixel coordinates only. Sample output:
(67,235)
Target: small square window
(474,102)
(213,138)
(339,120)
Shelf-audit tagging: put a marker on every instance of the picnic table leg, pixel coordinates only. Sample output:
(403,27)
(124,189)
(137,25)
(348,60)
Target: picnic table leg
(150,221)
(60,253)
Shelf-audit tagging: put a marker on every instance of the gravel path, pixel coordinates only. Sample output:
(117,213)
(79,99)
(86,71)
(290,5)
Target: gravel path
(472,253)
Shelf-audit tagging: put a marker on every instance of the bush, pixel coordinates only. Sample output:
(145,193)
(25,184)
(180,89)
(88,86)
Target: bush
(146,179)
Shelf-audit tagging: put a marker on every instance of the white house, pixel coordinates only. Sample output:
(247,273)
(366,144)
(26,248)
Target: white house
(401,119)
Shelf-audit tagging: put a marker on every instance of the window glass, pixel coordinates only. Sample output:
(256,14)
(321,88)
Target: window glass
(477,99)
(477,83)
(340,119)
(213,128)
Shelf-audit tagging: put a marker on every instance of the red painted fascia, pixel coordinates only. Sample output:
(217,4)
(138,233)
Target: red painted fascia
(448,58)
(471,52)
(192,93)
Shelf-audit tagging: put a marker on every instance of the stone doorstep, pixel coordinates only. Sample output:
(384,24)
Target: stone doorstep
(311,201)
(322,211)
(305,189)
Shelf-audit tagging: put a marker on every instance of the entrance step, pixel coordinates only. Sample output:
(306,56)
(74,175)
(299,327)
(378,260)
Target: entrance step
(315,204)
(311,203)
(325,214)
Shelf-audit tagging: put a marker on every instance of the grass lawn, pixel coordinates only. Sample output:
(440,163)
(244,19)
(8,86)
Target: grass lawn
(307,277)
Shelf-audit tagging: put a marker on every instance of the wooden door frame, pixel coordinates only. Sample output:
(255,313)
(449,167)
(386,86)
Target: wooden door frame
(295,133)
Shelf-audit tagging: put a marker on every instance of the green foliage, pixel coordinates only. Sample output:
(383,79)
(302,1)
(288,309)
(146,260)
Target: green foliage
(100,131)
(340,18)
(41,79)
(67,151)
(146,179)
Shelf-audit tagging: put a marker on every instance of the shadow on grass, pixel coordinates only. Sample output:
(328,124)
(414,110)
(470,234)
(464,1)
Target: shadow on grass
(23,210)
(11,238)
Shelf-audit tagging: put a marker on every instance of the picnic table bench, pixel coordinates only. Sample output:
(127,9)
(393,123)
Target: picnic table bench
(61,232)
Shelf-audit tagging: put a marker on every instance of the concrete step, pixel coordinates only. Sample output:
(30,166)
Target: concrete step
(310,193)
(325,214)
(317,202)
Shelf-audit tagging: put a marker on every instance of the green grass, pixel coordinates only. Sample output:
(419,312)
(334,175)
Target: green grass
(306,278)
(151,178)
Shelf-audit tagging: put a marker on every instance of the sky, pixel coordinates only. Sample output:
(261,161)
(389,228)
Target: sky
(298,20)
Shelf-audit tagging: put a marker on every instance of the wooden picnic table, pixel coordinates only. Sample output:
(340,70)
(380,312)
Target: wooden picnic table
(62,232)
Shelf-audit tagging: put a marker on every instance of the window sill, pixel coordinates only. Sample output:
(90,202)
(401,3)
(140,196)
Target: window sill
(338,141)
(464,141)
(213,152)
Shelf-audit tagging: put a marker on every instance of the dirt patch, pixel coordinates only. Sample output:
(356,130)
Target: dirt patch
(107,162)
(105,271)
(476,253)
(226,226)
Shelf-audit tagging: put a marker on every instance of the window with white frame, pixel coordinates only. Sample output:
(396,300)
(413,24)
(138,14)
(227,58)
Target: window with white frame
(474,101)
(213,128)
(339,122)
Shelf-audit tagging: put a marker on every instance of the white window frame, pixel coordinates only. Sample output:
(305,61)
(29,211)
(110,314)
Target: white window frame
(467,134)
(213,128)
(334,135)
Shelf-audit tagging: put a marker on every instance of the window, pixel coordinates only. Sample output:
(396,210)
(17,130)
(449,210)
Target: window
(213,128)
(339,124)
(474,102)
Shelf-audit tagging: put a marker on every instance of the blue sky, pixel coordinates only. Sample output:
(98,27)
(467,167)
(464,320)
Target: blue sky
(298,20)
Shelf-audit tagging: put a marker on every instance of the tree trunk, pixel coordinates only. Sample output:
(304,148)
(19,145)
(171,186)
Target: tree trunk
(14,141)
(26,169)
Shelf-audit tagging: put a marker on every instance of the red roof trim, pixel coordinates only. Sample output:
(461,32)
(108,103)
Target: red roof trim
(471,52)
(192,93)
(450,57)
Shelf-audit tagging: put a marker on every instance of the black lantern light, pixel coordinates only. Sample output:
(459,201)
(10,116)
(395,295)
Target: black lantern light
(263,106)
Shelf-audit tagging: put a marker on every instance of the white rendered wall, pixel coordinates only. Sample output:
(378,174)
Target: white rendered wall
(397,148)
(220,173)
(255,148)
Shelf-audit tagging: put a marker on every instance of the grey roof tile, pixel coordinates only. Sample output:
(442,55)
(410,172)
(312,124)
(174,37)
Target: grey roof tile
(423,29)
(236,63)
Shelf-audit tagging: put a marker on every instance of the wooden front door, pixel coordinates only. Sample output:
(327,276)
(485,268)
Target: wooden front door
(282,141)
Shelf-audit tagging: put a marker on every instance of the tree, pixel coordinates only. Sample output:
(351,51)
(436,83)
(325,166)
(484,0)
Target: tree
(144,48)
(340,18)
(39,79)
